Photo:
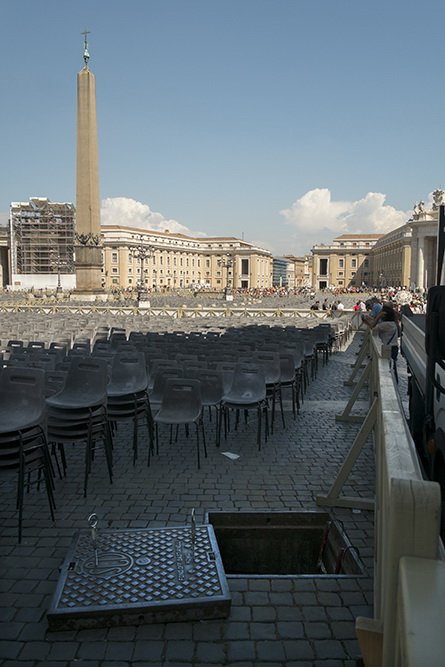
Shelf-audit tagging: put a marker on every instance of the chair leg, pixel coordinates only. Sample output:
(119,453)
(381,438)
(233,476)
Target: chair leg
(88,457)
(108,454)
(197,445)
(157,438)
(266,418)
(280,398)
(258,433)
(135,439)
(218,425)
(135,429)
(201,421)
(294,400)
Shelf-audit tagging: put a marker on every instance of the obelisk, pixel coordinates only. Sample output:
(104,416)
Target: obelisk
(88,244)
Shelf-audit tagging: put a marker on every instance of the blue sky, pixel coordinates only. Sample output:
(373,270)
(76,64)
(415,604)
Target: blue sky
(283,121)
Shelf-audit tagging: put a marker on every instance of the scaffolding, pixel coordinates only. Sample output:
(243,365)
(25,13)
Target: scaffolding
(42,237)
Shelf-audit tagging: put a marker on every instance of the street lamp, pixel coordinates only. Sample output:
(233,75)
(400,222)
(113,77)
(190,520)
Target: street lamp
(140,251)
(227,264)
(57,262)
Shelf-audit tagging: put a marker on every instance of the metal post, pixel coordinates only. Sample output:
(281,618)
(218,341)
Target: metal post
(227,264)
(141,251)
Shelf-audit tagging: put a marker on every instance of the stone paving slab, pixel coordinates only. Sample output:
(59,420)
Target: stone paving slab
(273,621)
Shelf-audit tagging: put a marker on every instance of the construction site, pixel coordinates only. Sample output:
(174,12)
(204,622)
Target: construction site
(42,244)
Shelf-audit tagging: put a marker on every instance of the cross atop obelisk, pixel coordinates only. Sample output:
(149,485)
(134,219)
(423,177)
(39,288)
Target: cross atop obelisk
(88,249)
(86,55)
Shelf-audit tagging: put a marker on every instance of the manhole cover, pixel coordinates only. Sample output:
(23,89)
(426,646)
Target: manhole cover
(140,576)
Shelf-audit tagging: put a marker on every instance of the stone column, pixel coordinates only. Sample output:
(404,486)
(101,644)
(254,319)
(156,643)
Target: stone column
(88,248)
(406,266)
(420,263)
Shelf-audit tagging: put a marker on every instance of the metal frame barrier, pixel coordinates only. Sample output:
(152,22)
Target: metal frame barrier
(175,312)
(407,511)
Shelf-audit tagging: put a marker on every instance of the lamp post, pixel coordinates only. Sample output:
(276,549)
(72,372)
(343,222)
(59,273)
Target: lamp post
(57,262)
(140,251)
(227,263)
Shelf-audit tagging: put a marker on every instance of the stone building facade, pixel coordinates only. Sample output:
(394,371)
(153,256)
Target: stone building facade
(344,263)
(38,250)
(174,261)
(299,271)
(406,256)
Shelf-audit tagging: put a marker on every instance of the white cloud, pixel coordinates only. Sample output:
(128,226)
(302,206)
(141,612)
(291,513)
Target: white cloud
(317,218)
(128,212)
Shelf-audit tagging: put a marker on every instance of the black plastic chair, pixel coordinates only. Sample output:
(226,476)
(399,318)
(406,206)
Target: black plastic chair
(23,442)
(127,396)
(248,392)
(181,405)
(78,413)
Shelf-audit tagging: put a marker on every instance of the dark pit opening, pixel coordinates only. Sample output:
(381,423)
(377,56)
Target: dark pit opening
(283,543)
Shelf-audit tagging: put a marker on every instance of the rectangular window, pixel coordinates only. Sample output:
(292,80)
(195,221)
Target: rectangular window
(323,268)
(341,263)
(114,256)
(244,267)
(353,263)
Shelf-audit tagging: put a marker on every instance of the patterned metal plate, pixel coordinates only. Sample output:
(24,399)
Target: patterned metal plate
(140,576)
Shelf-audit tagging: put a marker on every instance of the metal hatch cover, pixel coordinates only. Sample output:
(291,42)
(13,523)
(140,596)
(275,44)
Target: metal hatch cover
(140,576)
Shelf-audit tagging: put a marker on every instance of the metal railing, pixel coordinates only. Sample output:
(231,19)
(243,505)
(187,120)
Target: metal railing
(407,518)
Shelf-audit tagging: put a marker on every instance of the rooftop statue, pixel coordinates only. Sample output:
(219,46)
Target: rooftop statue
(438,199)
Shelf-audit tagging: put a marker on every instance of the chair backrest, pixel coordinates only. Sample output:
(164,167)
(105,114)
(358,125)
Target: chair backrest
(101,345)
(89,377)
(36,344)
(128,372)
(60,347)
(156,365)
(15,343)
(227,368)
(189,367)
(183,398)
(212,385)
(23,387)
(287,368)
(117,338)
(54,382)
(270,363)
(160,380)
(249,382)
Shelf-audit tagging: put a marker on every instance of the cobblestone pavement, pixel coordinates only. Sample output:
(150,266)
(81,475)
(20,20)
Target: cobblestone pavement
(273,621)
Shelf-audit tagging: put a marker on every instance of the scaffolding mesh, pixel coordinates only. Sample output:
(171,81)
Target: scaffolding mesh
(42,236)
